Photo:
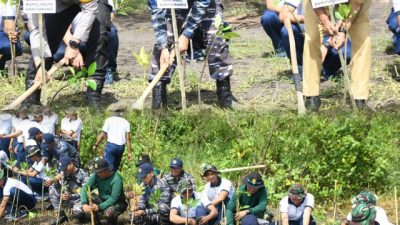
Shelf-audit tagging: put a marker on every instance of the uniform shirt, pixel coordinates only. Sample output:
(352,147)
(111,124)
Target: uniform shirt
(211,192)
(41,169)
(177,204)
(88,11)
(7,10)
(163,201)
(297,4)
(13,183)
(380,217)
(396,6)
(193,17)
(173,181)
(24,126)
(49,124)
(5,123)
(257,203)
(75,182)
(116,128)
(111,190)
(74,125)
(295,212)
(61,148)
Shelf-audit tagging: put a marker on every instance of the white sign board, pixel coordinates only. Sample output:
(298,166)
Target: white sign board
(172,4)
(323,3)
(39,6)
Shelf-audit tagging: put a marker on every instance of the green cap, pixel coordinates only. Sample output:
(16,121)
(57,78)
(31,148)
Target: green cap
(184,184)
(363,214)
(297,189)
(209,167)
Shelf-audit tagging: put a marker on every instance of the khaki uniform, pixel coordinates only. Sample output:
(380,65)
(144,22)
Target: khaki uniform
(361,51)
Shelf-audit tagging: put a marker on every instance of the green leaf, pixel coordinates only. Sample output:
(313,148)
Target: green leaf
(338,16)
(229,35)
(79,74)
(122,13)
(32,215)
(92,68)
(72,70)
(84,71)
(92,84)
(244,207)
(227,28)
(72,81)
(218,21)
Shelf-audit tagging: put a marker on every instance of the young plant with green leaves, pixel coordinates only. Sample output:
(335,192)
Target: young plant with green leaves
(143,59)
(189,203)
(154,199)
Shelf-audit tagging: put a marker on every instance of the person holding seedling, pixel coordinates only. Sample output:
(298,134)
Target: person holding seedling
(53,149)
(117,131)
(9,34)
(365,211)
(217,192)
(183,205)
(176,174)
(17,197)
(200,15)
(67,185)
(249,202)
(109,202)
(297,206)
(154,204)
(357,26)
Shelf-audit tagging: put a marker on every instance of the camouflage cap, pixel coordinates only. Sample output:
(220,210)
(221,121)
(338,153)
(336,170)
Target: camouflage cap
(184,184)
(365,196)
(117,107)
(209,167)
(363,214)
(297,189)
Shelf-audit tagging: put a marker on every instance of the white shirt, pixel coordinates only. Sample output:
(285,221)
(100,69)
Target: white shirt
(116,128)
(74,125)
(210,193)
(381,216)
(3,157)
(297,4)
(5,123)
(40,168)
(49,124)
(176,203)
(7,9)
(24,126)
(294,212)
(11,183)
(396,5)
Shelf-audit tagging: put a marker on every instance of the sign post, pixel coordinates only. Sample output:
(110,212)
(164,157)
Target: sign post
(176,4)
(323,3)
(40,7)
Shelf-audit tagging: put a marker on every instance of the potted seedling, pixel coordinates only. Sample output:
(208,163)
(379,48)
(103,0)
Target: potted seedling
(135,191)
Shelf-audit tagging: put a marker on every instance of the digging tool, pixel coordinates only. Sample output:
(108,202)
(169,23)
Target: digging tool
(301,109)
(138,105)
(34,87)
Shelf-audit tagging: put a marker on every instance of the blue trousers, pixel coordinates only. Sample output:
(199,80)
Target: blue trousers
(201,211)
(299,221)
(113,154)
(5,49)
(272,26)
(21,199)
(4,144)
(36,184)
(393,25)
(113,45)
(331,63)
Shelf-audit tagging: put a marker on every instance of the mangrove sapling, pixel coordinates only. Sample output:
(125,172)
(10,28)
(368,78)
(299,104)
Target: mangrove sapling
(63,188)
(51,175)
(24,167)
(135,191)
(224,31)
(189,202)
(143,59)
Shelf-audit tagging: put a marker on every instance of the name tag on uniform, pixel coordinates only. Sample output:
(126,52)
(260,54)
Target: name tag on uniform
(39,6)
(323,3)
(172,4)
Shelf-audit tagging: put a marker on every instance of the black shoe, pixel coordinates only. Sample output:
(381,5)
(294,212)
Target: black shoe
(360,103)
(93,97)
(62,219)
(49,207)
(313,103)
(159,95)
(224,93)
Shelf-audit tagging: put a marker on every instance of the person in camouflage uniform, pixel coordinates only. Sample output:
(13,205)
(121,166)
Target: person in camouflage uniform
(201,16)
(53,149)
(110,201)
(72,179)
(146,213)
(176,174)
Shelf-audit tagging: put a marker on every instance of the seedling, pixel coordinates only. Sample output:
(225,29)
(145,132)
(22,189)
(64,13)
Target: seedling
(154,198)
(143,59)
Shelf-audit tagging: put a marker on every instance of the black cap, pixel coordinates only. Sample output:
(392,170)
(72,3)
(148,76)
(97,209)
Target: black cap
(33,131)
(144,169)
(254,180)
(101,165)
(176,163)
(64,162)
(143,158)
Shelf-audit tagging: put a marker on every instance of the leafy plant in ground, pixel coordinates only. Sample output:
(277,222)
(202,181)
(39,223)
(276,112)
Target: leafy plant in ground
(189,202)
(143,59)
(154,198)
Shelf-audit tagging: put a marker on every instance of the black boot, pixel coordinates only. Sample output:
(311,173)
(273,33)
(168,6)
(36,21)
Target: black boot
(93,97)
(313,103)
(360,104)
(159,95)
(224,93)
(34,98)
(62,219)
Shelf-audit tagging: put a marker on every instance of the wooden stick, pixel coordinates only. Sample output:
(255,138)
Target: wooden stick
(138,105)
(335,203)
(241,168)
(42,63)
(395,205)
(301,109)
(179,60)
(89,194)
(33,88)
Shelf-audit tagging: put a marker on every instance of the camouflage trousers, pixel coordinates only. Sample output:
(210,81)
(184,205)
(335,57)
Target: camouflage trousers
(54,194)
(219,59)
(111,213)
